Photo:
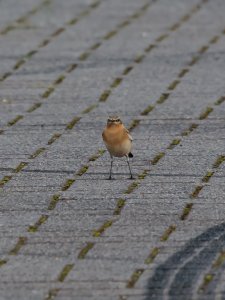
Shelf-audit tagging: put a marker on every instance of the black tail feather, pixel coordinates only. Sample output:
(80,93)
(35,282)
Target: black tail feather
(130,155)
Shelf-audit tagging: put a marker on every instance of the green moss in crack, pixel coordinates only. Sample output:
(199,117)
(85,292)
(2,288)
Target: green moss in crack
(65,271)
(186,211)
(134,124)
(104,96)
(72,123)
(4,180)
(220,100)
(54,200)
(119,206)
(196,191)
(41,220)
(147,110)
(34,107)
(131,187)
(162,98)
(167,233)
(157,158)
(207,176)
(82,171)
(173,144)
(102,229)
(134,278)
(84,251)
(37,153)
(20,167)
(15,120)
(48,92)
(220,159)
(116,82)
(152,256)
(205,113)
(21,242)
(68,184)
(54,138)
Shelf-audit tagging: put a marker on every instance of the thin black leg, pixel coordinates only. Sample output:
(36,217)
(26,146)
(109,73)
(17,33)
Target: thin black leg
(110,173)
(131,176)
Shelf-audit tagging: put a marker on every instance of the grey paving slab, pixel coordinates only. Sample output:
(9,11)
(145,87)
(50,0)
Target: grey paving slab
(11,10)
(66,231)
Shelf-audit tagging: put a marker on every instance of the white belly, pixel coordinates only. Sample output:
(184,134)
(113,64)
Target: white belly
(120,150)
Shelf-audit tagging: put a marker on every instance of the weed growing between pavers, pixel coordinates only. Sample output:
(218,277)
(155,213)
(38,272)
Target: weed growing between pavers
(34,107)
(206,280)
(42,220)
(220,100)
(173,85)
(168,232)
(186,211)
(219,161)
(174,143)
(54,138)
(20,167)
(4,180)
(89,109)
(104,96)
(183,72)
(119,206)
(72,123)
(52,294)
(37,153)
(152,256)
(82,171)
(2,262)
(101,230)
(146,111)
(48,92)
(157,158)
(196,191)
(15,120)
(134,278)
(68,184)
(205,114)
(207,177)
(134,124)
(116,82)
(96,156)
(59,80)
(192,127)
(220,260)
(58,32)
(65,271)
(21,242)
(82,254)
(55,199)
(162,98)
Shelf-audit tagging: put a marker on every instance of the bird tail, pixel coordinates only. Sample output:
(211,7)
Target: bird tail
(130,155)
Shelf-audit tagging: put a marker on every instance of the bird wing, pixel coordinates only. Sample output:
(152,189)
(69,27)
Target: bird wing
(129,136)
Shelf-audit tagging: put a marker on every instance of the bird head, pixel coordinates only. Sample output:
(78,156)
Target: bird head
(114,120)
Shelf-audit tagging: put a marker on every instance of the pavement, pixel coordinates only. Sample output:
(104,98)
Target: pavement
(66,232)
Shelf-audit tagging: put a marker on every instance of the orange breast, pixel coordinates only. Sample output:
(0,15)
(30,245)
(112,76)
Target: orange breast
(117,140)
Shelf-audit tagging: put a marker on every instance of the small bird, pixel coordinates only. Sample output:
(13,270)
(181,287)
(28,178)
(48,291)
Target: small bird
(118,141)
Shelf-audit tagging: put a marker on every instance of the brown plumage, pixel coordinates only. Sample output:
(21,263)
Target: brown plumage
(118,141)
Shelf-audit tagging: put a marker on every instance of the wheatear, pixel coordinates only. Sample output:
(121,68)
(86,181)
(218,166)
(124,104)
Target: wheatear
(118,141)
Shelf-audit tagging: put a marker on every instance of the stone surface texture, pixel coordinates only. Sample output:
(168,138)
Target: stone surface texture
(66,232)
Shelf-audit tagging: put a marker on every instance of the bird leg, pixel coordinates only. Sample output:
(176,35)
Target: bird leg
(131,176)
(110,173)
